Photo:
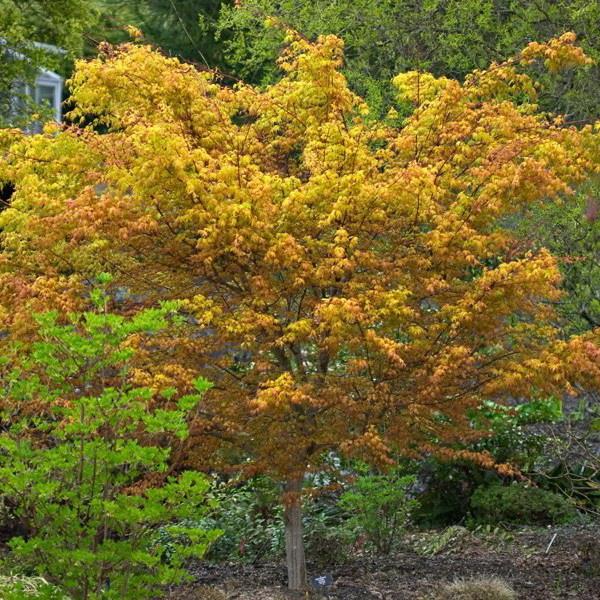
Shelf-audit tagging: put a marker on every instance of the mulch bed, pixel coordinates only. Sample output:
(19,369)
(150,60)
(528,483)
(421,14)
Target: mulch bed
(568,571)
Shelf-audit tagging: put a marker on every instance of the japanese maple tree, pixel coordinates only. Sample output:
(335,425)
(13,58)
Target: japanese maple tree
(349,283)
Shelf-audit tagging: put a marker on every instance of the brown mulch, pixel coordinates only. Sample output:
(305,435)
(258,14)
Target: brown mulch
(568,571)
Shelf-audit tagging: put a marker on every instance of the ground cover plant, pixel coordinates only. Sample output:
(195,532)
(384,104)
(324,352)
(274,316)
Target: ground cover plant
(15,587)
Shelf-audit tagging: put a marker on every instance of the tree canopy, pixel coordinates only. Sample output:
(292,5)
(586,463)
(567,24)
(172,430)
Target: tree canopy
(347,282)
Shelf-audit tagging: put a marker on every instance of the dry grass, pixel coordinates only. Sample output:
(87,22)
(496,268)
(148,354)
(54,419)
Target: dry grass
(205,592)
(209,593)
(18,586)
(477,588)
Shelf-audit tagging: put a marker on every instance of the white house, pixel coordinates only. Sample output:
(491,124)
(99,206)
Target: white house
(46,89)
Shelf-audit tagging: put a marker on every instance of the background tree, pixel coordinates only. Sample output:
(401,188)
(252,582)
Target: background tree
(572,233)
(444,37)
(182,28)
(348,284)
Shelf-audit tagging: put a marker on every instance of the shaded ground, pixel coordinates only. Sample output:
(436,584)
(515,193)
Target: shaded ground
(569,570)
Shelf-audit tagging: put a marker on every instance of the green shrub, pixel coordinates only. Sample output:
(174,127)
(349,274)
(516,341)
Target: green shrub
(251,519)
(379,508)
(327,538)
(448,485)
(477,588)
(512,438)
(520,504)
(77,442)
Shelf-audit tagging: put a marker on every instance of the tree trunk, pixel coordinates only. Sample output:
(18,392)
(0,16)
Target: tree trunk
(294,542)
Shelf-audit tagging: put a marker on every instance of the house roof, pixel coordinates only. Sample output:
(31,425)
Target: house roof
(49,76)
(43,73)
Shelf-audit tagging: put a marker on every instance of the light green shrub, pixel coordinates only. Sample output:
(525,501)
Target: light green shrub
(379,508)
(78,441)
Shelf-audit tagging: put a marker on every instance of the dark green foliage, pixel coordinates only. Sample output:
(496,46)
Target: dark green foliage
(446,37)
(327,538)
(520,504)
(251,519)
(513,437)
(77,441)
(58,22)
(379,508)
(571,231)
(183,28)
(448,488)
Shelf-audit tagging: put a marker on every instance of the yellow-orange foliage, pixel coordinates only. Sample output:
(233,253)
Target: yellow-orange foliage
(349,282)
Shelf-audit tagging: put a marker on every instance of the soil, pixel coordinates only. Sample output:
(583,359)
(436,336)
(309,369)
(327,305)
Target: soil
(569,569)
